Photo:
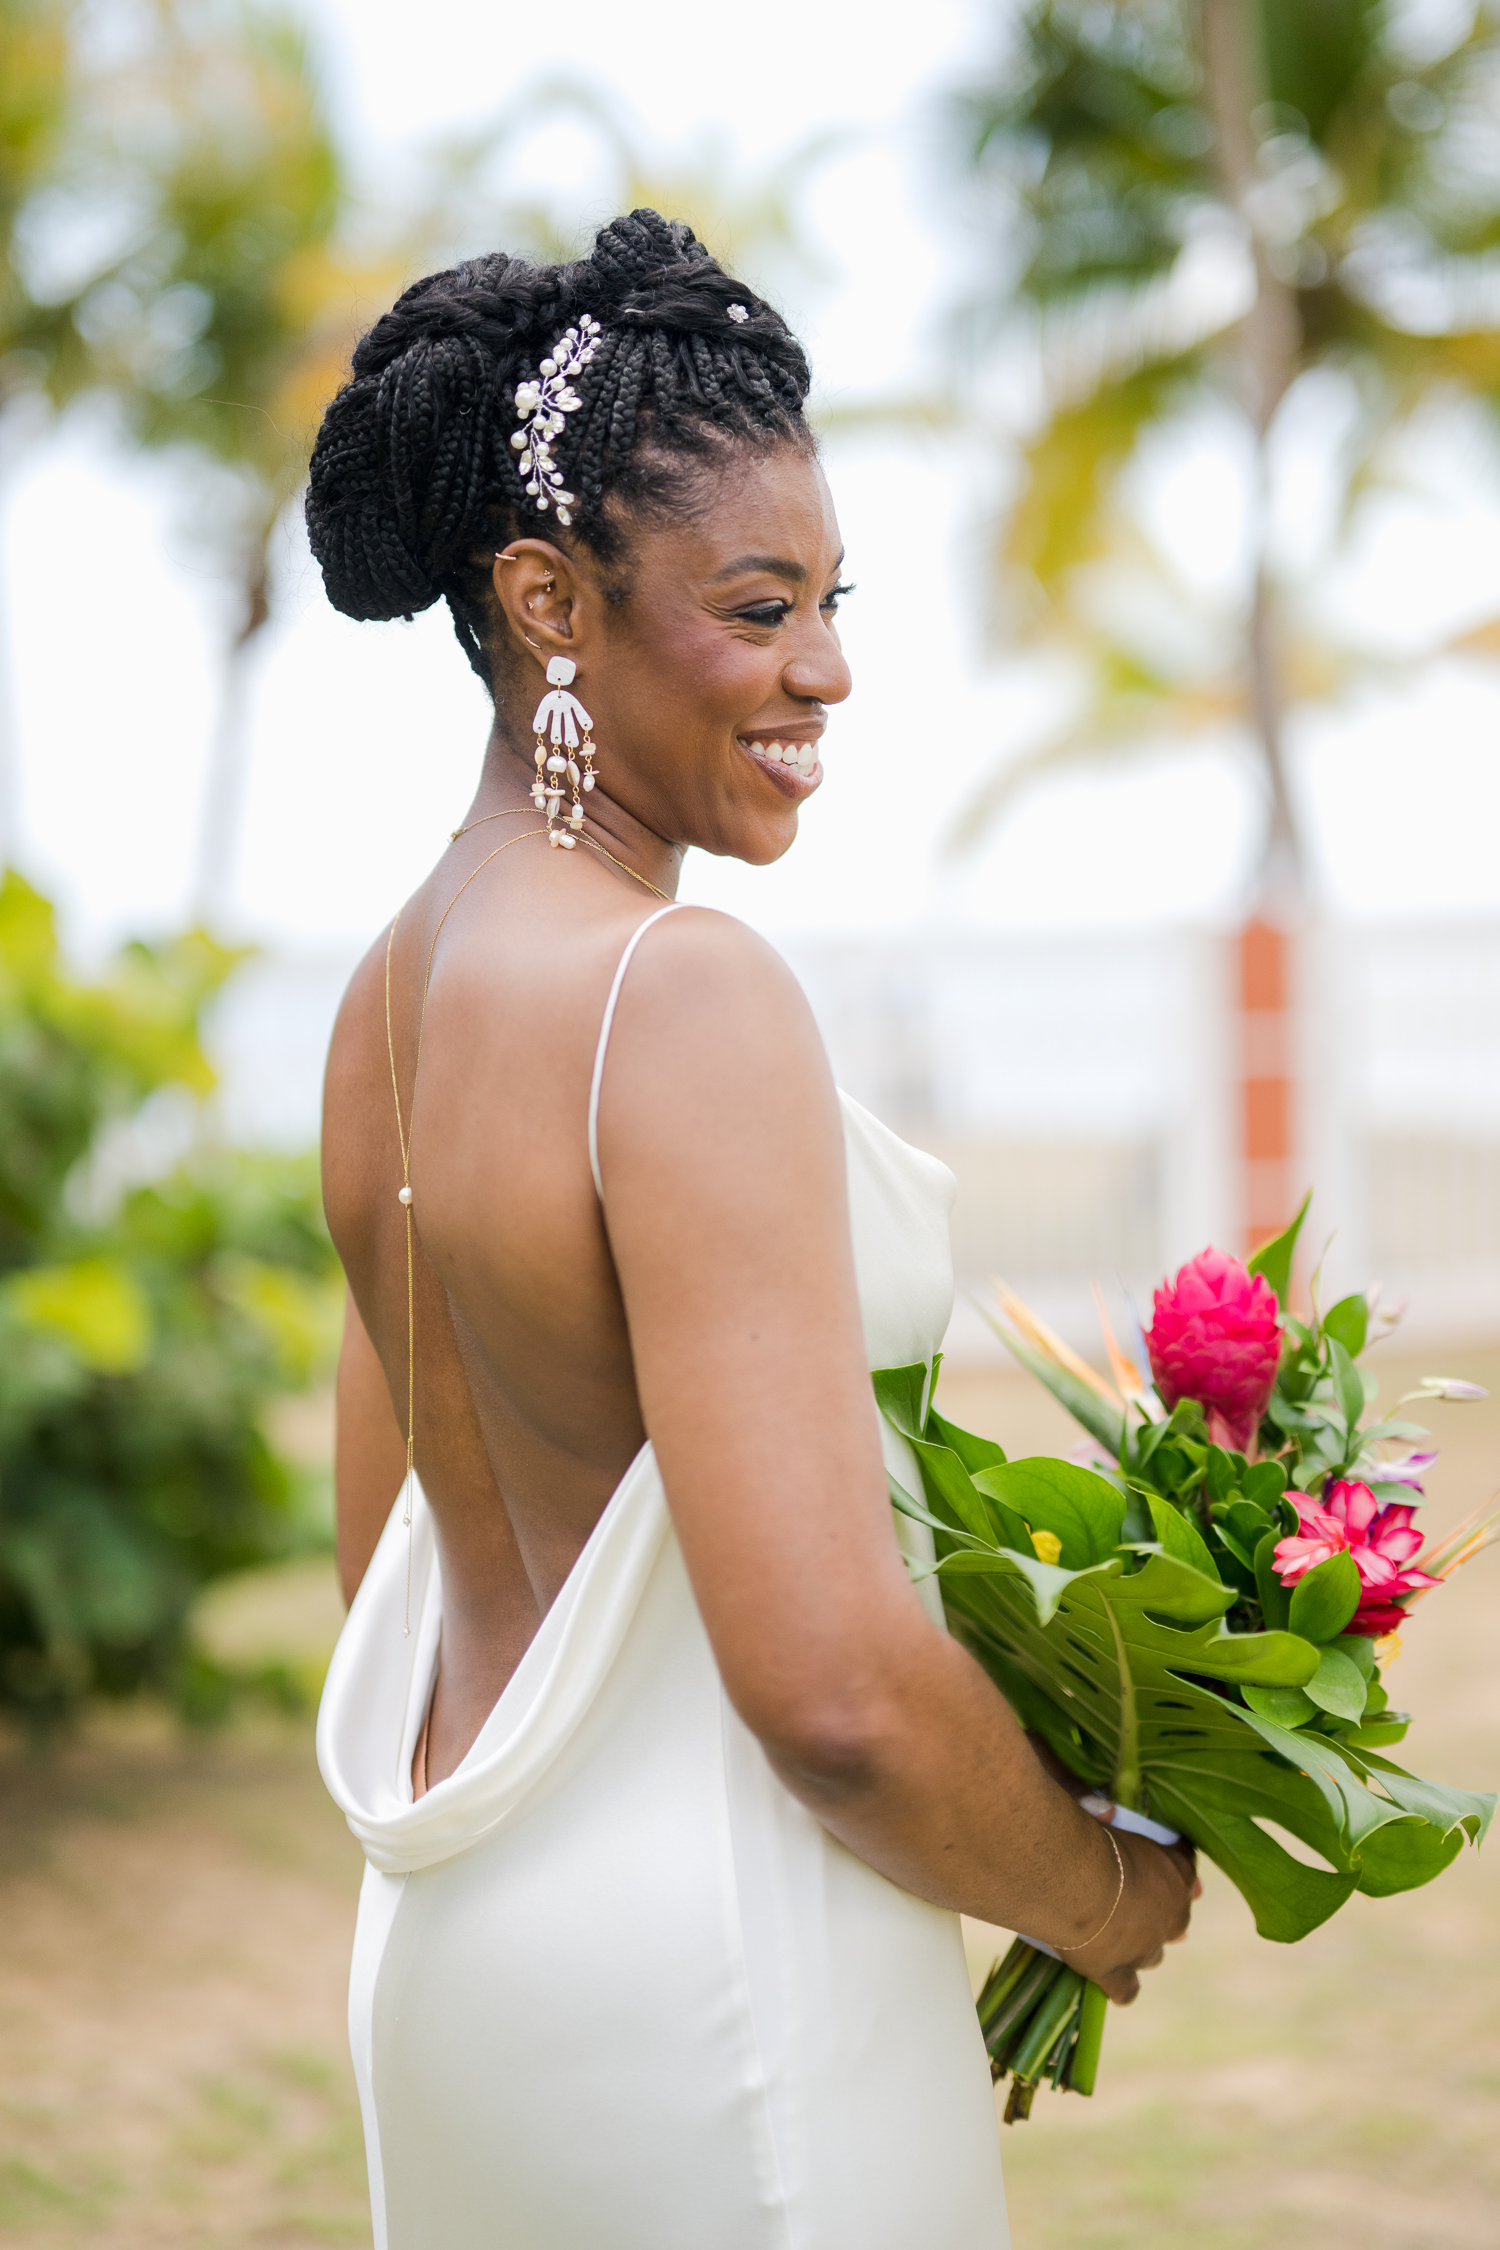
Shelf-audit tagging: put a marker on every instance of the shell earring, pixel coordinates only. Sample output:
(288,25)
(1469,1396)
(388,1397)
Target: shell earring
(564,753)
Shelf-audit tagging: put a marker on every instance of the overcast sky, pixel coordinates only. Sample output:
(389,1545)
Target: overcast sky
(366,739)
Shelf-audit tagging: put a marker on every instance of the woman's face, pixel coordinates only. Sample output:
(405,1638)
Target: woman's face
(708,684)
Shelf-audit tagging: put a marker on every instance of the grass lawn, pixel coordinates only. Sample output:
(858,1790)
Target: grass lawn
(176,1917)
(173,2069)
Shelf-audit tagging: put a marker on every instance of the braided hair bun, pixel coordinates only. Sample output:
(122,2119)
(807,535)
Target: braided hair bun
(414,472)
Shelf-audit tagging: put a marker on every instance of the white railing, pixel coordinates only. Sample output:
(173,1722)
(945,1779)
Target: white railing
(1082,1089)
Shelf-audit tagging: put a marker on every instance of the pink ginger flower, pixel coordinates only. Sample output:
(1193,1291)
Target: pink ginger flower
(1216,1337)
(1350,1520)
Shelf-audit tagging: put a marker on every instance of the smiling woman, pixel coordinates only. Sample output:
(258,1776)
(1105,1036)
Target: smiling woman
(669,1784)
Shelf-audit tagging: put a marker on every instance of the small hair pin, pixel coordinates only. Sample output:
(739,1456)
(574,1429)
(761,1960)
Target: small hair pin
(738,314)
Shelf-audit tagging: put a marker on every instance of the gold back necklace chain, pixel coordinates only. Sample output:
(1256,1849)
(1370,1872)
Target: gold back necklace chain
(403,1132)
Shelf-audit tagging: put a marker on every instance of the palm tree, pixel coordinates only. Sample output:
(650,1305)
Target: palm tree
(34,111)
(752,222)
(1205,202)
(226,324)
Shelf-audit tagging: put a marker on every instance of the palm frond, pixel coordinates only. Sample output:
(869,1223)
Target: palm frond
(1109,736)
(1067,503)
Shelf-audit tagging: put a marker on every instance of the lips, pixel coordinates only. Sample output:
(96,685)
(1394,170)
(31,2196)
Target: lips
(787,762)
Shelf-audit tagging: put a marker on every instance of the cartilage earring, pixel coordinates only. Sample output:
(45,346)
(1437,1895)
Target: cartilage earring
(562,728)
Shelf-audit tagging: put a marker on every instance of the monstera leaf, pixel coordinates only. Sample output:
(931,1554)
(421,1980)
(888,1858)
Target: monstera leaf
(1118,1656)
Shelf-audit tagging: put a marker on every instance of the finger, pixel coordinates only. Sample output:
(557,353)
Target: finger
(1121,1985)
(1152,1960)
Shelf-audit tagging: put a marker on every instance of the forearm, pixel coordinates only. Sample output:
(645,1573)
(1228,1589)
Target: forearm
(938,1789)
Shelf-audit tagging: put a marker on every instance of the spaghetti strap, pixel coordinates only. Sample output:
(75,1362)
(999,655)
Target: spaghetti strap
(604,1032)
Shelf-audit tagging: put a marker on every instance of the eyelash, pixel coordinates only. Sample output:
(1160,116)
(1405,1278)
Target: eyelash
(776,613)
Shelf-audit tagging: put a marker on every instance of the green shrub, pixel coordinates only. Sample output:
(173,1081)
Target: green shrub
(144,1328)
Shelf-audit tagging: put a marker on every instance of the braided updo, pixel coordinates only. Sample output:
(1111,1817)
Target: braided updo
(414,481)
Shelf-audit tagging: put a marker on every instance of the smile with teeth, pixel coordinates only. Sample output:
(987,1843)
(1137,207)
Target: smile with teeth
(800,756)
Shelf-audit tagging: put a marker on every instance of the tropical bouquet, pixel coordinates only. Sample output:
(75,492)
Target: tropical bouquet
(1194,1617)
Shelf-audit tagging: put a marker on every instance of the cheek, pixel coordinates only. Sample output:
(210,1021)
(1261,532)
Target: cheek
(732,681)
(699,679)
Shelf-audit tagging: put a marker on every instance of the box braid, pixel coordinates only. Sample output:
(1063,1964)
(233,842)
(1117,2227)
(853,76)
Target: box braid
(414,482)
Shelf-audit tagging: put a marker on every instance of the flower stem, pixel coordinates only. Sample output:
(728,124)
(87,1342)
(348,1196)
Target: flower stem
(1018,2101)
(1007,2025)
(1002,1981)
(1047,2025)
(1083,2070)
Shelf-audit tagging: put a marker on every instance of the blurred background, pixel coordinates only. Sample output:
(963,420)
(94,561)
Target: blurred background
(1157,353)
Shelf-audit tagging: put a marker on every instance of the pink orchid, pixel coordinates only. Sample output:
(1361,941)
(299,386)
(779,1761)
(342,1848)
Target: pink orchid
(1216,1337)
(1350,1520)
(1410,1470)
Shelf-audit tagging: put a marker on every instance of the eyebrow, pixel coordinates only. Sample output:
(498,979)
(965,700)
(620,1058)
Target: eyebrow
(778,566)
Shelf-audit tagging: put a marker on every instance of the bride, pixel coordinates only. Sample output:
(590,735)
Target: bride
(670,1786)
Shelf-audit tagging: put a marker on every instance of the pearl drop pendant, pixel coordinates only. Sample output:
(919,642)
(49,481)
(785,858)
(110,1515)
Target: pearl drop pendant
(403,1195)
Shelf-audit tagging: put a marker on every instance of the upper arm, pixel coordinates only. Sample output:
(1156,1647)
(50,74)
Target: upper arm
(722,1153)
(369,1451)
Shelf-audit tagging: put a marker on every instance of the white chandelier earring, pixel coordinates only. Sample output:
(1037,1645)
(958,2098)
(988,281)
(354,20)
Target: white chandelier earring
(564,754)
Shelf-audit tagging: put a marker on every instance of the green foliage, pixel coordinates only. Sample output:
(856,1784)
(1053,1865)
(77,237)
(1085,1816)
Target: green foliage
(1273,1260)
(1325,1599)
(144,1329)
(33,107)
(1122,1657)
(1098,105)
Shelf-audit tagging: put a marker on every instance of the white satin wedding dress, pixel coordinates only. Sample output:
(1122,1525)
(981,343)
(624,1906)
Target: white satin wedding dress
(614,1988)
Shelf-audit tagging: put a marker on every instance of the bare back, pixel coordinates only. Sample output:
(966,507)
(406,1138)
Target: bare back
(526,1413)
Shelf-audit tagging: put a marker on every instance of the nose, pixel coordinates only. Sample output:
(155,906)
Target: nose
(820,673)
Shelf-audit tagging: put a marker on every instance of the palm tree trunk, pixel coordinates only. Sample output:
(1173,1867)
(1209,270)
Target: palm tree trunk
(1280,881)
(1265,966)
(224,790)
(1269,341)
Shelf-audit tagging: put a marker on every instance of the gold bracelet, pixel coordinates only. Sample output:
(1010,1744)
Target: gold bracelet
(1114,1910)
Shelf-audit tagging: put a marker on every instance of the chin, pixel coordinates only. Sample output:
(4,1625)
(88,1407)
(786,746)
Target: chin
(758,843)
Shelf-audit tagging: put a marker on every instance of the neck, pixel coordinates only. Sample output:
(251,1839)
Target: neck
(505,783)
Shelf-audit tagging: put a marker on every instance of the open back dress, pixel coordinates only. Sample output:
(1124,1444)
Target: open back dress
(614,1987)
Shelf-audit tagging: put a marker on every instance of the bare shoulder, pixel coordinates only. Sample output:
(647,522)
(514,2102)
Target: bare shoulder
(714,1050)
(707,994)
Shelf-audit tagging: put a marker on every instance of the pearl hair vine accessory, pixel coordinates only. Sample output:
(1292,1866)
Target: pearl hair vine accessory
(561,715)
(738,314)
(543,406)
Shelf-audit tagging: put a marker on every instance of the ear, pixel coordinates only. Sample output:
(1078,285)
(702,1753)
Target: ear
(548,605)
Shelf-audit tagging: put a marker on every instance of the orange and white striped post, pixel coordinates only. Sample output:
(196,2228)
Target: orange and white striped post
(1268,1195)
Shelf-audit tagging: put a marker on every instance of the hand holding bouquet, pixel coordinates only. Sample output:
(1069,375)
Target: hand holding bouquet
(1195,1624)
